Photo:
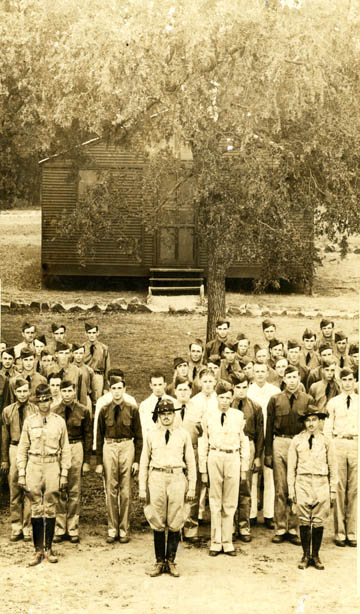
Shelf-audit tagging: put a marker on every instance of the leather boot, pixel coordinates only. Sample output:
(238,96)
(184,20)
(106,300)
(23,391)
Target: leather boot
(317,534)
(49,536)
(305,536)
(159,545)
(172,545)
(38,539)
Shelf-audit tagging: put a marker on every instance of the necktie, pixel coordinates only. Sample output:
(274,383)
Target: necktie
(240,404)
(282,385)
(228,368)
(308,358)
(327,390)
(28,379)
(21,415)
(292,399)
(182,413)
(222,419)
(348,401)
(92,349)
(7,374)
(116,412)
(155,412)
(67,413)
(44,421)
(61,373)
(194,373)
(341,362)
(38,367)
(167,435)
(221,349)
(311,441)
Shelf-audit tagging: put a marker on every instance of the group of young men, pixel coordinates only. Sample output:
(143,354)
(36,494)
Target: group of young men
(270,427)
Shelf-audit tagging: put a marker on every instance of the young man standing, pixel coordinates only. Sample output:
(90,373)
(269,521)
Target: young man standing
(216,346)
(87,373)
(118,447)
(269,330)
(28,331)
(181,369)
(167,452)
(229,364)
(7,371)
(69,371)
(147,407)
(326,388)
(13,418)
(223,460)
(39,346)
(196,352)
(341,351)
(309,358)
(78,423)
(28,373)
(293,356)
(97,357)
(58,336)
(327,333)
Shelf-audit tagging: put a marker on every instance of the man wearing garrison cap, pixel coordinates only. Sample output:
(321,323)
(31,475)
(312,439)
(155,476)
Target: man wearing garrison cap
(341,349)
(166,454)
(216,346)
(28,331)
(293,356)
(97,357)
(78,423)
(269,330)
(223,458)
(328,386)
(354,357)
(58,334)
(13,418)
(34,379)
(181,369)
(309,358)
(118,447)
(87,373)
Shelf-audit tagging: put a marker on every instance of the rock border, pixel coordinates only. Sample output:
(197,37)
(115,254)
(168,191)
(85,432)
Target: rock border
(135,305)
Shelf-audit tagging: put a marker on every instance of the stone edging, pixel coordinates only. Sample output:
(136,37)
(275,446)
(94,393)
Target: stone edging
(135,305)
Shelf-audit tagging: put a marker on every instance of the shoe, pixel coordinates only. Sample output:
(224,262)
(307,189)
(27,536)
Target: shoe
(57,539)
(305,562)
(340,542)
(38,557)
(17,538)
(352,543)
(172,569)
(253,522)
(156,570)
(50,557)
(245,538)
(74,539)
(124,540)
(27,538)
(278,539)
(231,552)
(317,563)
(294,539)
(214,552)
(110,539)
(200,522)
(268,522)
(192,540)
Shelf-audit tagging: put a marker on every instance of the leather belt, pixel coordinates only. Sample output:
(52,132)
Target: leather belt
(116,440)
(286,436)
(14,443)
(37,459)
(74,440)
(168,469)
(347,436)
(226,451)
(98,372)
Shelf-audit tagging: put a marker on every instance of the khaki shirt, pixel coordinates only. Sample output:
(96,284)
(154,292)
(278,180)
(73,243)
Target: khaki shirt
(342,421)
(229,436)
(320,460)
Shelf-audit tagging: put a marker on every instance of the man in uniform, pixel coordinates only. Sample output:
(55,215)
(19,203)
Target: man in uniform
(13,418)
(181,369)
(69,371)
(196,353)
(216,346)
(341,351)
(243,345)
(87,373)
(309,358)
(28,373)
(39,346)
(293,356)
(54,381)
(223,460)
(281,426)
(326,388)
(229,364)
(342,426)
(147,407)
(58,336)
(269,330)
(28,331)
(97,357)
(78,423)
(354,359)
(118,448)
(43,461)
(327,330)
(47,363)
(167,452)
(6,372)
(276,350)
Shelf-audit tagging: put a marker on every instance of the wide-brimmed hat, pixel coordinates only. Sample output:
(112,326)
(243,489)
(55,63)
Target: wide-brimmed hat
(312,410)
(43,393)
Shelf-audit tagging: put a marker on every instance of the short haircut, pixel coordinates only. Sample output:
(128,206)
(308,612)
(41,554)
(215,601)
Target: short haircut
(239,378)
(54,375)
(196,342)
(328,360)
(205,372)
(181,380)
(291,369)
(26,325)
(260,364)
(156,375)
(346,373)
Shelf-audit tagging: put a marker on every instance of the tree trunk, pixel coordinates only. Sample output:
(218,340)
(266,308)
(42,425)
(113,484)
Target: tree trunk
(215,291)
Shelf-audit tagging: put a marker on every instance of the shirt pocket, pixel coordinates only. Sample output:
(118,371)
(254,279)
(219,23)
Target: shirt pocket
(109,420)
(35,433)
(280,412)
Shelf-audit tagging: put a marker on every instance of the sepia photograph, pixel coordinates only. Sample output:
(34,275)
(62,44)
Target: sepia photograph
(179,320)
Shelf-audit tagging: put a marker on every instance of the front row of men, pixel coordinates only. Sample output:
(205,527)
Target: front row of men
(214,439)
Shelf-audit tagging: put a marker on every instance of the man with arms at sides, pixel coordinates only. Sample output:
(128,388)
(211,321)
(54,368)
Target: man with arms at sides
(293,356)
(87,373)
(58,335)
(327,333)
(196,353)
(216,346)
(309,357)
(28,331)
(147,407)
(97,357)
(326,388)
(29,374)
(229,364)
(341,351)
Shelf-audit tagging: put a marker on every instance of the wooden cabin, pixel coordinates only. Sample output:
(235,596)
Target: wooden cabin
(171,256)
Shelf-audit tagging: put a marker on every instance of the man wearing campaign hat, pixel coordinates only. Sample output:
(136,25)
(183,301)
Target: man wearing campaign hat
(312,480)
(147,407)
(118,447)
(13,418)
(309,357)
(166,454)
(78,423)
(229,364)
(223,458)
(28,373)
(216,346)
(43,461)
(28,331)
(97,357)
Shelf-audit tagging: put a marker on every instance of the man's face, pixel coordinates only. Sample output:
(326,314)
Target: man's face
(2,347)
(54,385)
(68,394)
(79,356)
(222,331)
(262,356)
(329,372)
(196,352)
(277,351)
(312,424)
(7,360)
(183,393)
(28,334)
(92,334)
(327,331)
(224,400)
(229,356)
(249,370)
(157,385)
(214,368)
(309,343)
(281,366)
(260,374)
(341,346)
(22,393)
(328,353)
(183,369)
(292,380)
(63,357)
(269,333)
(243,346)
(240,390)
(59,334)
(293,355)
(117,390)
(167,418)
(19,364)
(207,384)
(47,362)
(348,383)
(355,358)
(38,346)
(28,363)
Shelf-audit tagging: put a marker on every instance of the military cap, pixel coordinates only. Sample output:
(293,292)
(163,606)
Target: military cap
(179,361)
(20,381)
(90,326)
(115,379)
(77,346)
(45,352)
(339,336)
(9,351)
(241,336)
(291,369)
(43,393)
(324,322)
(55,327)
(26,352)
(41,338)
(267,323)
(222,321)
(308,333)
(353,349)
(116,371)
(66,383)
(313,410)
(223,386)
(292,343)
(324,346)
(61,347)
(166,405)
(214,359)
(26,325)
(230,345)
(274,342)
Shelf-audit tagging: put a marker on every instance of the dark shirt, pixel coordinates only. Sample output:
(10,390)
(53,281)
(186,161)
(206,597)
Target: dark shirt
(213,347)
(226,369)
(127,426)
(11,425)
(282,419)
(314,376)
(254,427)
(78,425)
